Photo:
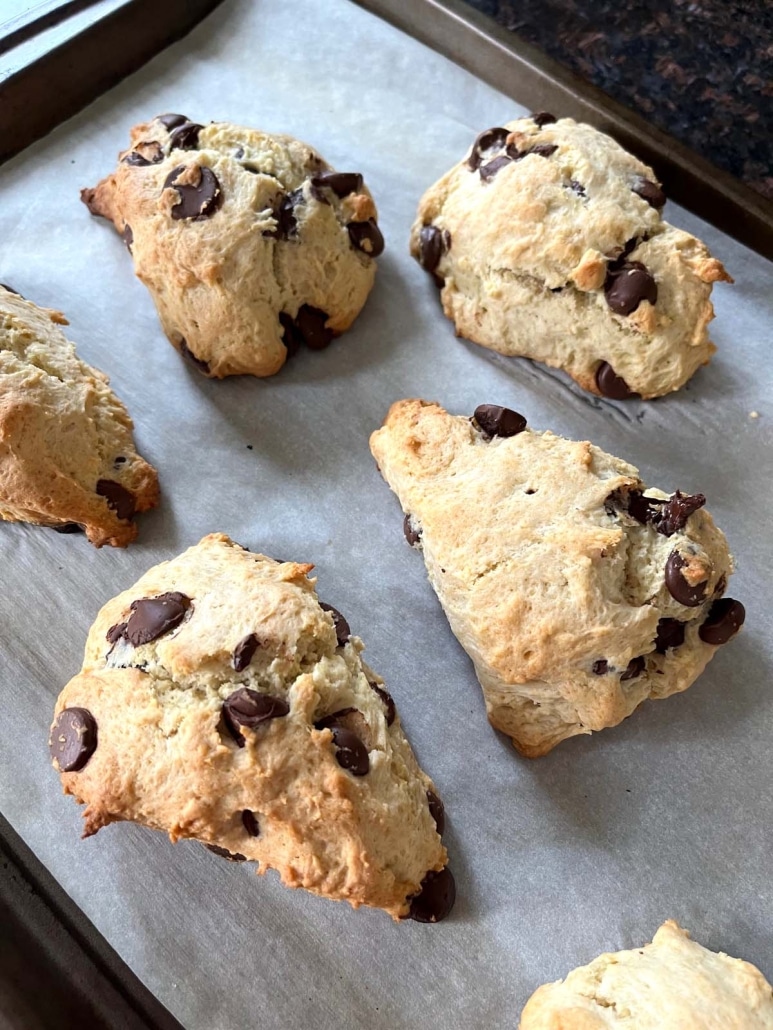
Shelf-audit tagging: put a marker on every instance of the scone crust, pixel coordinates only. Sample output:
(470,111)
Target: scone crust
(166,759)
(527,252)
(671,984)
(63,432)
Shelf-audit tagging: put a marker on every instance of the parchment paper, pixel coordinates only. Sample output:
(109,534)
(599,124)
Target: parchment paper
(556,860)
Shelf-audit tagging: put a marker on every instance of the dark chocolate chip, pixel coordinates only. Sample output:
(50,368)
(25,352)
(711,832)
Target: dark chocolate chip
(351,753)
(389,703)
(437,811)
(120,460)
(627,286)
(634,668)
(644,509)
(366,236)
(311,324)
(676,511)
(195,202)
(600,667)
(342,626)
(290,336)
(327,722)
(128,236)
(200,363)
(239,153)
(116,632)
(682,591)
(341,183)
(68,527)
(118,498)
(137,159)
(152,617)
(284,215)
(670,633)
(186,136)
(171,121)
(433,244)
(73,739)
(243,652)
(490,169)
(232,856)
(495,420)
(649,191)
(577,187)
(413,536)
(543,118)
(490,139)
(246,707)
(542,149)
(435,899)
(250,823)
(612,385)
(725,618)
(721,586)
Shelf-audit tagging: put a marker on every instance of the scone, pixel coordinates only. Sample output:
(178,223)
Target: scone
(671,984)
(549,243)
(577,592)
(67,457)
(250,244)
(220,700)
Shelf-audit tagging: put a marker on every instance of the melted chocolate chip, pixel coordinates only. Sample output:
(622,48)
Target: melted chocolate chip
(670,633)
(644,509)
(152,617)
(634,668)
(725,618)
(195,202)
(327,722)
(68,527)
(246,707)
(186,136)
(311,324)
(495,420)
(73,739)
(200,363)
(612,385)
(250,823)
(138,160)
(627,285)
(232,856)
(290,336)
(244,651)
(674,514)
(128,236)
(341,625)
(366,236)
(437,811)
(389,703)
(413,536)
(433,244)
(118,498)
(341,183)
(600,667)
(491,139)
(284,215)
(490,169)
(682,591)
(543,118)
(171,121)
(649,191)
(542,149)
(435,899)
(351,753)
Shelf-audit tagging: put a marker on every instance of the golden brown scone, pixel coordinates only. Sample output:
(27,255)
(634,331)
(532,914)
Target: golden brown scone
(220,700)
(67,456)
(250,244)
(671,984)
(548,242)
(576,593)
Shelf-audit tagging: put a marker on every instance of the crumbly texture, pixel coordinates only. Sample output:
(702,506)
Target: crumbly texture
(165,757)
(261,255)
(64,434)
(671,984)
(550,585)
(527,251)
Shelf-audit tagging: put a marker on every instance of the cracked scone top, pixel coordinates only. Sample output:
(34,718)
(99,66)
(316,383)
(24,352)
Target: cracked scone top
(548,242)
(249,243)
(576,593)
(671,984)
(67,455)
(220,700)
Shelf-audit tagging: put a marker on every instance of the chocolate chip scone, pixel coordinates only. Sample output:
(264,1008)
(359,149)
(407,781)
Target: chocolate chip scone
(577,592)
(250,244)
(220,700)
(671,984)
(548,242)
(67,456)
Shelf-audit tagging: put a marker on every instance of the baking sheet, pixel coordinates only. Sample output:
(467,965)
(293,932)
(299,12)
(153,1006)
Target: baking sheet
(556,860)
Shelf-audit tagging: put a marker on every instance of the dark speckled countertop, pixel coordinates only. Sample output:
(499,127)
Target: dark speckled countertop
(702,70)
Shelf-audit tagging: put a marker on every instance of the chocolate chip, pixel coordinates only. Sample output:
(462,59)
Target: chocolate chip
(68,527)
(195,202)
(674,514)
(612,385)
(490,169)
(243,652)
(128,236)
(341,183)
(137,159)
(327,722)
(152,617)
(311,324)
(682,591)
(670,633)
(118,498)
(627,286)
(634,668)
(73,739)
(116,632)
(120,460)
(649,191)
(239,153)
(186,352)
(232,856)
(186,136)
(171,121)
(389,703)
(495,420)
(351,753)
(435,899)
(487,141)
(437,811)
(542,149)
(284,215)
(250,823)
(725,618)
(543,118)
(433,244)
(341,625)
(721,586)
(366,236)
(246,707)
(577,187)
(290,336)
(644,509)
(413,536)
(600,667)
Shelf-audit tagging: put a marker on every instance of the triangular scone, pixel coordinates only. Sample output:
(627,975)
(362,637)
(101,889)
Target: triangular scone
(671,984)
(220,700)
(576,594)
(67,456)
